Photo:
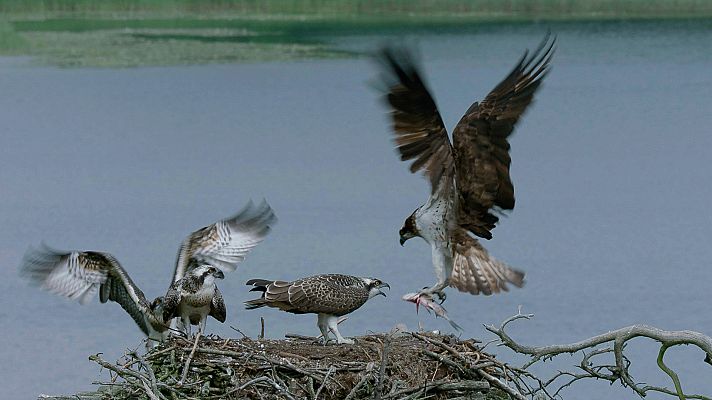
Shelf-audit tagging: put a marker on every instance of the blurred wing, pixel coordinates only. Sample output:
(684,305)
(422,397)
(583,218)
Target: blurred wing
(480,142)
(225,243)
(420,133)
(476,272)
(80,275)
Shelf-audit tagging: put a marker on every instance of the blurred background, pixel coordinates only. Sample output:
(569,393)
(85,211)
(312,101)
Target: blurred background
(126,125)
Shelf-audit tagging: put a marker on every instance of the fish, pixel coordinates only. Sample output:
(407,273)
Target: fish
(427,302)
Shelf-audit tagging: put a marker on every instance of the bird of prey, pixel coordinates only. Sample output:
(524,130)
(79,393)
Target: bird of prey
(79,275)
(221,245)
(469,177)
(329,296)
(195,296)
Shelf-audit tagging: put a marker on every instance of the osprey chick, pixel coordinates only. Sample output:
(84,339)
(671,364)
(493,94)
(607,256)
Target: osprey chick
(469,177)
(194,297)
(329,296)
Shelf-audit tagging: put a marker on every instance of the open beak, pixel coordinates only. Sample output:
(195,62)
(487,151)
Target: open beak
(381,287)
(219,274)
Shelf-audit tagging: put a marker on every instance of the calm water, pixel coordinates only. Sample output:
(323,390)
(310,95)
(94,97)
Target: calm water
(611,166)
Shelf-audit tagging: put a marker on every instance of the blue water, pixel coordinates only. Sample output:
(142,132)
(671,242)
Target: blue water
(611,167)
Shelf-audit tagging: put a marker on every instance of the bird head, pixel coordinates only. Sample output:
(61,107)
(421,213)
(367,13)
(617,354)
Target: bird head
(207,273)
(409,230)
(157,304)
(374,287)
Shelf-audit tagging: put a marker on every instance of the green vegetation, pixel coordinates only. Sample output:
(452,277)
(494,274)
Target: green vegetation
(123,33)
(354,8)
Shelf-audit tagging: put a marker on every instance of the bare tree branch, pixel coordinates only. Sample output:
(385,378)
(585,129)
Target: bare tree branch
(611,373)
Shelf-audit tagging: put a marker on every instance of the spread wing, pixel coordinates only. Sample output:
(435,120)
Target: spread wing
(476,272)
(420,134)
(330,294)
(480,142)
(225,243)
(79,275)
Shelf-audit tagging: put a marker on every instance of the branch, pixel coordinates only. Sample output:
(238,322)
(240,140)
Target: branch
(619,338)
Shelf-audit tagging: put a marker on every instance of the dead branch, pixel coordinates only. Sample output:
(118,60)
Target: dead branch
(616,340)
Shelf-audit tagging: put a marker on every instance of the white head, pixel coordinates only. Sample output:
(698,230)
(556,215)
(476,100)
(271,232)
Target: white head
(374,287)
(207,273)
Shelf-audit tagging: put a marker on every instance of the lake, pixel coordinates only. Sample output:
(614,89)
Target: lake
(611,167)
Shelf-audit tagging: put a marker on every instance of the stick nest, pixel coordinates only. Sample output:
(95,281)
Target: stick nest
(379,366)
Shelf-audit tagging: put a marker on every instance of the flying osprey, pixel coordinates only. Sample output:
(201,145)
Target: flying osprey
(469,177)
(329,296)
(79,275)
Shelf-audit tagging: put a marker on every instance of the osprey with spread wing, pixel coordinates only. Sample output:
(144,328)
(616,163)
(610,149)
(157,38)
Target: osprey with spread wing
(469,177)
(203,256)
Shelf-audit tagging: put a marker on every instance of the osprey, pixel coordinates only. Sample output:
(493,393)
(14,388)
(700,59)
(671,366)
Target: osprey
(469,177)
(222,246)
(79,275)
(194,297)
(329,296)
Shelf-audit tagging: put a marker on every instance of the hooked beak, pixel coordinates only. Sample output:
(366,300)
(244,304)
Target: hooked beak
(384,284)
(402,240)
(219,274)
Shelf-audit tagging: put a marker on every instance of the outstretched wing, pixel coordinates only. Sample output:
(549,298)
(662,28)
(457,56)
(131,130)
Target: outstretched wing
(79,275)
(225,243)
(476,272)
(480,142)
(420,133)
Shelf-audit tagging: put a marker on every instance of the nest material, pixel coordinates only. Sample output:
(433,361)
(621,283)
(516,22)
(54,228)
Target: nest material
(381,366)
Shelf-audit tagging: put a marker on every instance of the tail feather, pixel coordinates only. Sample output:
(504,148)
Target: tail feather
(256,303)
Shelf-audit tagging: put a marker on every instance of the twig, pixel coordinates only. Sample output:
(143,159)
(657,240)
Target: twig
(382,368)
(190,358)
(332,369)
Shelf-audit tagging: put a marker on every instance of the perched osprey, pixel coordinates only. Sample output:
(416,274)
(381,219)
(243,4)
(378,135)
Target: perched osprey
(79,275)
(221,245)
(469,177)
(329,296)
(195,296)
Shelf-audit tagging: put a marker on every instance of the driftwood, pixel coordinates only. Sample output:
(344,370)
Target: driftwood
(612,342)
(381,366)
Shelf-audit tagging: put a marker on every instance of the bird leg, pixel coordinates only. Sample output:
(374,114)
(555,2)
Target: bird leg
(438,290)
(323,327)
(332,321)
(186,325)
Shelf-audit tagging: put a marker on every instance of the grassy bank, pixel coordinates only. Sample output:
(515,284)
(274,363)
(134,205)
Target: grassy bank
(527,9)
(126,33)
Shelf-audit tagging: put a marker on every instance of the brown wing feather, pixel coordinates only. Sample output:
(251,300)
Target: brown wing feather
(330,294)
(480,143)
(420,132)
(476,272)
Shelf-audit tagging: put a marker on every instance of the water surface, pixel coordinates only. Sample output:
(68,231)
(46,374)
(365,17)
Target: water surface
(611,168)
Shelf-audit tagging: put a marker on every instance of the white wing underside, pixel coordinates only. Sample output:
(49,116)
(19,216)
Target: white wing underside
(226,243)
(69,279)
